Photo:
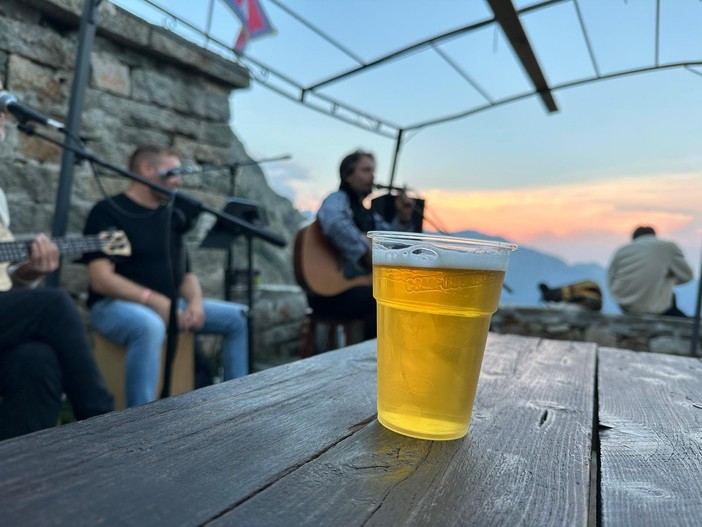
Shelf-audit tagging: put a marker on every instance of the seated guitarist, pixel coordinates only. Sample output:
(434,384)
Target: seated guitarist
(344,221)
(44,350)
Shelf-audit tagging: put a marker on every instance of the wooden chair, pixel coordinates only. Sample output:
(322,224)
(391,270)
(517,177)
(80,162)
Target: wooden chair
(317,270)
(340,332)
(110,360)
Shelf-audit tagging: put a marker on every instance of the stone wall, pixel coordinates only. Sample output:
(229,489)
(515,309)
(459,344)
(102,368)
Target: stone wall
(280,314)
(146,85)
(639,333)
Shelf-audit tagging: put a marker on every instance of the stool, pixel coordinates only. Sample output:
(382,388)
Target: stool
(110,360)
(340,332)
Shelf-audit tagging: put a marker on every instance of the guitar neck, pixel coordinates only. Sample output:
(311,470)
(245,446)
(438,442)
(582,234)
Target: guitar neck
(20,251)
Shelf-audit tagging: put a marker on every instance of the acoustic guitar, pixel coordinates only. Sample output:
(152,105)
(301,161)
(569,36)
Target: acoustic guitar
(318,266)
(107,242)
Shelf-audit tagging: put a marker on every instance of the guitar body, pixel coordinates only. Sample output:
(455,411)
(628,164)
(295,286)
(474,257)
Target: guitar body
(319,267)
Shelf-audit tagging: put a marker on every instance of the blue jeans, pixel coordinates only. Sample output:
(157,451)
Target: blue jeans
(142,331)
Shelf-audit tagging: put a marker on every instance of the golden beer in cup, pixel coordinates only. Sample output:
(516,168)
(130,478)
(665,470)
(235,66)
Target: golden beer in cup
(436,296)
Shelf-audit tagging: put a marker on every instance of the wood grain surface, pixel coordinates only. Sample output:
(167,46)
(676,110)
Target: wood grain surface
(650,412)
(299,445)
(525,461)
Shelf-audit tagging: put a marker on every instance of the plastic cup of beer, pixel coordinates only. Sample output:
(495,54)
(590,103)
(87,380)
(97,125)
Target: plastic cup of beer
(436,296)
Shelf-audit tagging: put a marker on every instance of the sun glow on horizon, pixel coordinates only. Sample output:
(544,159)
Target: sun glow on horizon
(579,222)
(615,206)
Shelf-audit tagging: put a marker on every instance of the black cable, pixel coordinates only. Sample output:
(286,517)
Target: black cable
(435,221)
(114,204)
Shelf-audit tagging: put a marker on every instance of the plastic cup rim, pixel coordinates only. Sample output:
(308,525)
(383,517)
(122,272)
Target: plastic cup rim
(401,236)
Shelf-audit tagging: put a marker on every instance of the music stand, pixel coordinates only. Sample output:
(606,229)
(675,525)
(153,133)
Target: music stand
(223,236)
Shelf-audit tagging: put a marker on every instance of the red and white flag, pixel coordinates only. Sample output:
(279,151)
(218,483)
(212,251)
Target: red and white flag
(254,21)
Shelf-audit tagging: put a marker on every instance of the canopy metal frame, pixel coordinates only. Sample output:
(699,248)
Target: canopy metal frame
(505,15)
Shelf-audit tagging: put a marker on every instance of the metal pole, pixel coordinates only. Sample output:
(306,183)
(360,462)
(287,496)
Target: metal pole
(398,144)
(210,12)
(388,205)
(251,321)
(86,37)
(231,263)
(694,350)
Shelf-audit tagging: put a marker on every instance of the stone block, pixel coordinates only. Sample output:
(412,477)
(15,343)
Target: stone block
(601,335)
(135,136)
(36,42)
(37,184)
(190,96)
(556,328)
(634,343)
(29,218)
(33,147)
(39,86)
(213,65)
(124,27)
(197,150)
(209,101)
(157,88)
(73,7)
(670,345)
(129,112)
(219,134)
(110,75)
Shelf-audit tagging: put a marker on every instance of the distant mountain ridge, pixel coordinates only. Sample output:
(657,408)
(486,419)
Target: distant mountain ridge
(529,267)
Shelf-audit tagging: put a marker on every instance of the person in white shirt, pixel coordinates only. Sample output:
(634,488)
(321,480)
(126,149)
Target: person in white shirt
(642,275)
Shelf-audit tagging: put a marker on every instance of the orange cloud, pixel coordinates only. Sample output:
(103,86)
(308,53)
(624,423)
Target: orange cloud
(579,222)
(668,202)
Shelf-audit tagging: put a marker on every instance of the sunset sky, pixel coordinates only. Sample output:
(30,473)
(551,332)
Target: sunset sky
(574,184)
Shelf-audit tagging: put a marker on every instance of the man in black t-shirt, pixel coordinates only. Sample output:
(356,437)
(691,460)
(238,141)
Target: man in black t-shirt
(129,297)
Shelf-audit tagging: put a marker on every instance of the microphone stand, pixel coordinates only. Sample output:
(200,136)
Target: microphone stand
(190,205)
(228,281)
(233,168)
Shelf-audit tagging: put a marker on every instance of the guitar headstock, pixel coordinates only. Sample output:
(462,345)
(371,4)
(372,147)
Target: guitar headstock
(115,243)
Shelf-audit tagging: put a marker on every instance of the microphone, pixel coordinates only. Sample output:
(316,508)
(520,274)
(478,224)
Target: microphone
(378,186)
(24,113)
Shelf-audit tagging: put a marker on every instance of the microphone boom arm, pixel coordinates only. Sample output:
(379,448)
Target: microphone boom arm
(211,167)
(189,201)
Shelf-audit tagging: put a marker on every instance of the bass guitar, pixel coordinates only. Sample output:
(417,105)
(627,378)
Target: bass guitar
(111,243)
(319,267)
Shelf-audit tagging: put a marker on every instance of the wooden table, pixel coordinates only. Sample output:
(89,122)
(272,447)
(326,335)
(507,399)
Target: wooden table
(559,430)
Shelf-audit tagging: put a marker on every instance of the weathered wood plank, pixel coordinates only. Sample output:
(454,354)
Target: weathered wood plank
(526,460)
(299,445)
(650,413)
(186,459)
